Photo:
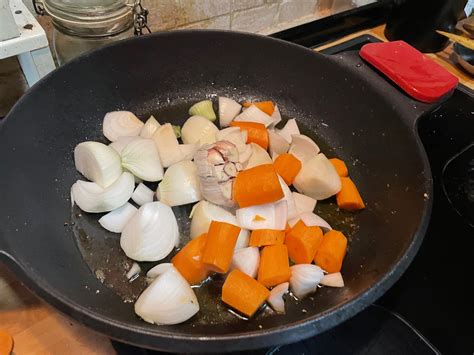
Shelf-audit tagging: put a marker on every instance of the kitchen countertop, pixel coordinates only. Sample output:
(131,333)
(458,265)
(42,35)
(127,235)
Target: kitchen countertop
(35,326)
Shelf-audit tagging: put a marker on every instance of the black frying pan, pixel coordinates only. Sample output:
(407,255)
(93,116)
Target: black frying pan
(350,110)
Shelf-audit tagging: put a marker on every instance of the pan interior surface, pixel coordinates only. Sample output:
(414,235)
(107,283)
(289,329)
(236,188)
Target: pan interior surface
(162,75)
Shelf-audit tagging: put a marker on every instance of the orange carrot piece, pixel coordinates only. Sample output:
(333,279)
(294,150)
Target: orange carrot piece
(340,167)
(257,186)
(331,252)
(266,106)
(256,132)
(219,247)
(303,242)
(274,265)
(6,342)
(243,293)
(263,237)
(287,166)
(287,229)
(187,261)
(349,198)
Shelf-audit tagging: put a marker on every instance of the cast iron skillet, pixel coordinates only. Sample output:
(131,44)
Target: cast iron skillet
(348,108)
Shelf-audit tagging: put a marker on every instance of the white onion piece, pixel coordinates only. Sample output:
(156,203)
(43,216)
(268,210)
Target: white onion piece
(151,234)
(276,117)
(132,274)
(121,124)
(169,299)
(142,159)
(142,194)
(168,146)
(290,128)
(228,110)
(150,127)
(318,178)
(277,144)
(245,154)
(116,220)
(254,114)
(92,198)
(157,270)
(274,156)
(180,184)
(243,239)
(303,147)
(311,219)
(288,197)
(188,150)
(304,203)
(98,163)
(259,156)
(233,135)
(198,129)
(333,280)
(121,143)
(246,260)
(292,222)
(305,279)
(267,216)
(275,299)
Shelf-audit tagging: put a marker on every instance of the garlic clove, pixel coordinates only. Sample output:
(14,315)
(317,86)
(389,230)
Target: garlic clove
(120,124)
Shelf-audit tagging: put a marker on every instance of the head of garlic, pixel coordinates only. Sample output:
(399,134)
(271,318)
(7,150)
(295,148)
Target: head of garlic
(169,299)
(305,279)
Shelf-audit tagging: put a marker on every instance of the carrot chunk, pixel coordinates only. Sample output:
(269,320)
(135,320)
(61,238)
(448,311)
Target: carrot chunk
(188,262)
(219,247)
(257,186)
(340,167)
(263,237)
(349,198)
(287,166)
(331,252)
(256,132)
(266,106)
(6,342)
(243,293)
(303,242)
(274,265)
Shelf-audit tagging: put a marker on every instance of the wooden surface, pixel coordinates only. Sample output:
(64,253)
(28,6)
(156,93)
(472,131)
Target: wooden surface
(39,329)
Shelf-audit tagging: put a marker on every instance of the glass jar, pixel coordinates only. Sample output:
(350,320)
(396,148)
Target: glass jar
(83,25)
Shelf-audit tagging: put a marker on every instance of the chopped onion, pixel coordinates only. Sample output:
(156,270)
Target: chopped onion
(303,147)
(98,163)
(133,273)
(167,300)
(233,135)
(116,220)
(151,234)
(142,159)
(90,197)
(304,203)
(121,143)
(288,130)
(121,124)
(277,144)
(243,239)
(228,110)
(288,197)
(157,270)
(180,184)
(267,216)
(254,114)
(276,117)
(259,156)
(246,260)
(198,129)
(275,299)
(204,109)
(188,150)
(245,154)
(168,146)
(333,280)
(305,279)
(142,194)
(311,219)
(150,127)
(318,178)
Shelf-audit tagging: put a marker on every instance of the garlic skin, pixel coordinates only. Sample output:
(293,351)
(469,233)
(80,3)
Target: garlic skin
(246,260)
(275,299)
(120,124)
(98,163)
(151,234)
(180,185)
(305,279)
(333,280)
(169,299)
(254,114)
(228,110)
(142,159)
(303,147)
(168,145)
(259,157)
(198,129)
(290,128)
(116,220)
(150,127)
(92,198)
(142,194)
(266,216)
